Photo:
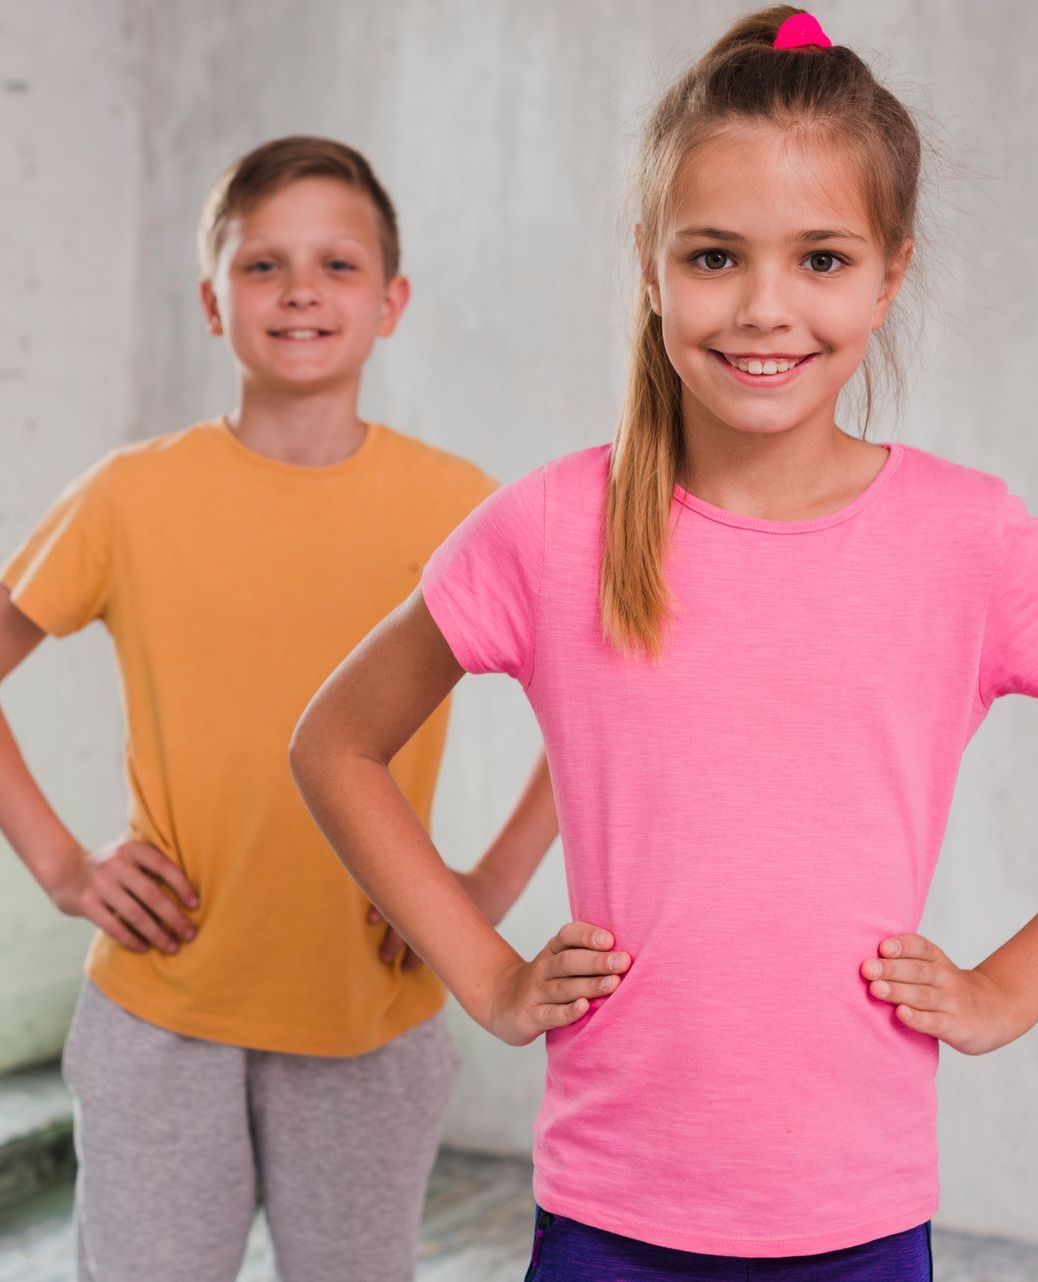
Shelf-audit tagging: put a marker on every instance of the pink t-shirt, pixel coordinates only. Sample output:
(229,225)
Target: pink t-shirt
(751,817)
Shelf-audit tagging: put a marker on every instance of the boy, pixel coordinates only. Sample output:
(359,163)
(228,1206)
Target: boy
(238,1024)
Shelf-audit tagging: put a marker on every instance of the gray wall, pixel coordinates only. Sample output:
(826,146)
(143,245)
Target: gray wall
(504,128)
(70,214)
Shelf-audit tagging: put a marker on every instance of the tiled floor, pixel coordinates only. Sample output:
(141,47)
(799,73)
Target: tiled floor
(477,1229)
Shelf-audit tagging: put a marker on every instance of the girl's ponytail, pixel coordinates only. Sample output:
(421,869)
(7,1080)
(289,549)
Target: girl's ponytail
(827,94)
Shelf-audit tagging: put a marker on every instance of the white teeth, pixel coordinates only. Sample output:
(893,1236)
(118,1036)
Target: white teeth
(299,333)
(762,367)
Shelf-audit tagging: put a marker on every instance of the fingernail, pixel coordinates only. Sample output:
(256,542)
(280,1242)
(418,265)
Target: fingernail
(892,946)
(601,939)
(608,983)
(616,961)
(873,969)
(881,988)
(193,903)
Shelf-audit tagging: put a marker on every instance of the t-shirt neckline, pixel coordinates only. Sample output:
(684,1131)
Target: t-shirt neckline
(723,516)
(299,471)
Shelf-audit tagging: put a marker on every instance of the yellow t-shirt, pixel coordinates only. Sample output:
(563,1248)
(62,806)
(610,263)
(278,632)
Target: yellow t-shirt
(232,585)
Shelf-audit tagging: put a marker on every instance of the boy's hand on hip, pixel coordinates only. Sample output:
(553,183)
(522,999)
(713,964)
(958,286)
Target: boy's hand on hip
(932,995)
(123,889)
(394,945)
(555,988)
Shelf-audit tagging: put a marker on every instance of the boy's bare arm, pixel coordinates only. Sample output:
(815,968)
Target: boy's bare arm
(360,718)
(510,861)
(118,887)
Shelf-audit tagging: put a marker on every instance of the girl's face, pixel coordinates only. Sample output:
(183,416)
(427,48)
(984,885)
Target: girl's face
(769,281)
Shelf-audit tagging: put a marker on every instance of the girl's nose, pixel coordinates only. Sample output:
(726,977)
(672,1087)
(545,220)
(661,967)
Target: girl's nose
(763,303)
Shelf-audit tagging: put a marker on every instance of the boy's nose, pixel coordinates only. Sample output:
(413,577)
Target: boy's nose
(300,291)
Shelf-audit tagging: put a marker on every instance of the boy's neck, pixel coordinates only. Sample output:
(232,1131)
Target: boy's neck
(317,430)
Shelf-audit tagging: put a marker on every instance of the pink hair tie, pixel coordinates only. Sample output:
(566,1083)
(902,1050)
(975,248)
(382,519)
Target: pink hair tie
(800,30)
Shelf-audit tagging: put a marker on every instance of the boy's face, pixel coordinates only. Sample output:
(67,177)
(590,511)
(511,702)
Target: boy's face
(299,288)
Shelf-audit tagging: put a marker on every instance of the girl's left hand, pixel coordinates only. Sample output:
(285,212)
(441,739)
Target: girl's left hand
(932,995)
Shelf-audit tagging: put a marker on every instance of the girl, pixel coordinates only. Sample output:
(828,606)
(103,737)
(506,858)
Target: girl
(757,647)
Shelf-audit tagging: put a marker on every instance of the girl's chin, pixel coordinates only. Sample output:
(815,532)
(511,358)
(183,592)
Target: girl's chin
(758,420)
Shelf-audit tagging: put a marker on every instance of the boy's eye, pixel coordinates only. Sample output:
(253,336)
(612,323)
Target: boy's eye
(823,264)
(261,266)
(340,265)
(714,260)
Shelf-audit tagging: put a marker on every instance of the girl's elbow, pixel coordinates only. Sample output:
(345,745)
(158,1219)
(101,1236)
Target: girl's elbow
(302,751)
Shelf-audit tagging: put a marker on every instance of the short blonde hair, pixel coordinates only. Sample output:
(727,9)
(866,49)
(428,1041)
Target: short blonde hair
(274,165)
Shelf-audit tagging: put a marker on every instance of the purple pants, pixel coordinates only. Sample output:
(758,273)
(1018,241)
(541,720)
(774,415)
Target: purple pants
(566,1251)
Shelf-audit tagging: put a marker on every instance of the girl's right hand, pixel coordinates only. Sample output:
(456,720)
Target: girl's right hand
(555,988)
(123,889)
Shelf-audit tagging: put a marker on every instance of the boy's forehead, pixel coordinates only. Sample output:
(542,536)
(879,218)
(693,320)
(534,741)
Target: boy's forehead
(311,206)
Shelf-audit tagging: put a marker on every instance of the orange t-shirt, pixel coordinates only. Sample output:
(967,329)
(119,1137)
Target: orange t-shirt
(232,585)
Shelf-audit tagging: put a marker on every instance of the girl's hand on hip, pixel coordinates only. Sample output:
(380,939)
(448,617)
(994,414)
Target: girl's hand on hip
(127,889)
(555,989)
(932,995)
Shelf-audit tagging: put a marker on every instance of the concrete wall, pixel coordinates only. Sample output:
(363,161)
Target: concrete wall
(70,193)
(504,130)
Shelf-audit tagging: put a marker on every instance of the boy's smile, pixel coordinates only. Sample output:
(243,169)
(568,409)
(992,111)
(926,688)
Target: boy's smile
(300,287)
(769,280)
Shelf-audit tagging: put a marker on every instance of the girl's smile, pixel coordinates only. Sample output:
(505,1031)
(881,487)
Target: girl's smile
(765,371)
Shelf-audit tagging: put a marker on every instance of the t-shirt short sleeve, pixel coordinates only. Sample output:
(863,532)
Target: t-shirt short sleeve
(1009,663)
(478,487)
(61,575)
(481,584)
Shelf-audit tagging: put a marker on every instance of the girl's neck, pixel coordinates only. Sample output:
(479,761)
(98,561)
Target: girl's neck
(790,476)
(317,430)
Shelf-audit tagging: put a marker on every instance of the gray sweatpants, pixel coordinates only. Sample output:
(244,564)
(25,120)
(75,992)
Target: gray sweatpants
(173,1135)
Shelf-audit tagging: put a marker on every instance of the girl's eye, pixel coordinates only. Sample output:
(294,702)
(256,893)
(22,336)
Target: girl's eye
(261,267)
(714,260)
(340,265)
(823,264)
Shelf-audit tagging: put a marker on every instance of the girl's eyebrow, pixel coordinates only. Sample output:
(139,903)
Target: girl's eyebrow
(710,233)
(834,233)
(733,237)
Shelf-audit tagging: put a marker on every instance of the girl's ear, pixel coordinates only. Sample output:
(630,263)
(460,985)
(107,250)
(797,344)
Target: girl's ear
(652,287)
(210,307)
(897,267)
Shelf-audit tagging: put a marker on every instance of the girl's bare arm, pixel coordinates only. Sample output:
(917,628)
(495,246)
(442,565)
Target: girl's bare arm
(359,719)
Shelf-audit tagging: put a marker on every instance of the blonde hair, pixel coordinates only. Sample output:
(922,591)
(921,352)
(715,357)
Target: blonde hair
(827,93)
(268,168)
